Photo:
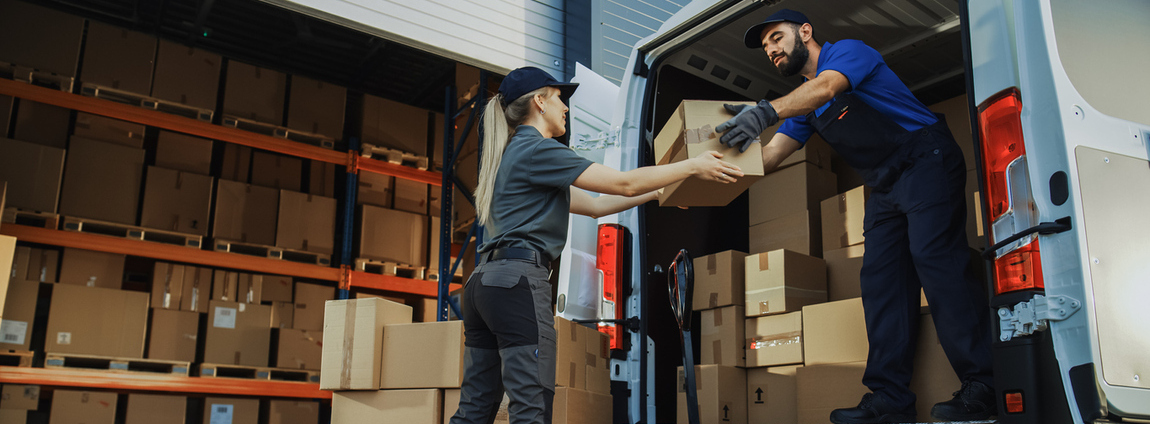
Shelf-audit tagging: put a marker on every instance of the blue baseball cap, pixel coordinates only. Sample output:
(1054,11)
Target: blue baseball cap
(753,38)
(529,78)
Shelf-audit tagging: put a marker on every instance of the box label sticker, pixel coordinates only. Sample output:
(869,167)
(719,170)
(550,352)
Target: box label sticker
(224,318)
(12,331)
(63,338)
(221,414)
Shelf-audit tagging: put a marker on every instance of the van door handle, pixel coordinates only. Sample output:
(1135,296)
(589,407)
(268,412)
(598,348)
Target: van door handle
(1045,228)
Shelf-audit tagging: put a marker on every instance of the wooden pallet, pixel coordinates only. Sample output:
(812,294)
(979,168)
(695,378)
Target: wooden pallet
(91,226)
(39,78)
(16,358)
(393,156)
(31,218)
(390,268)
(258,373)
(111,364)
(146,102)
(271,252)
(279,132)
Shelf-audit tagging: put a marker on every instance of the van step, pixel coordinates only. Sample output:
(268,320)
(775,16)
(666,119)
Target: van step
(91,226)
(113,364)
(279,132)
(47,220)
(390,268)
(394,156)
(271,252)
(38,78)
(258,373)
(146,102)
(16,358)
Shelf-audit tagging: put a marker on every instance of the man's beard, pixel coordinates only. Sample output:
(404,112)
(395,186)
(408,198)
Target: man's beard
(796,59)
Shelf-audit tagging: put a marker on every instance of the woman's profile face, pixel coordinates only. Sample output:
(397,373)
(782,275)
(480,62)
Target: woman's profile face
(556,116)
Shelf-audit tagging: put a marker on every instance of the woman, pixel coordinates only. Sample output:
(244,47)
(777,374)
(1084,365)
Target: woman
(523,199)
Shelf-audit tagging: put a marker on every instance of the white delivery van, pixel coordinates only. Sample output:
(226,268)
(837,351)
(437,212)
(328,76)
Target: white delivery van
(1058,95)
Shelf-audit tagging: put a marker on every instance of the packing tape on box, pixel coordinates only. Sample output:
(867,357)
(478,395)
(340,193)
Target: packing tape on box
(348,342)
(712,266)
(571,372)
(765,305)
(764,261)
(718,318)
(775,340)
(717,350)
(713,301)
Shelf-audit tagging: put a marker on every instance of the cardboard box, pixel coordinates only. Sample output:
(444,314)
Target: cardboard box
(317,107)
(834,333)
(187,75)
(237,163)
(42,124)
(276,171)
(353,336)
(411,196)
(842,218)
(309,305)
(798,232)
(245,213)
(787,191)
(934,379)
(177,201)
(32,264)
(238,334)
(771,395)
(774,340)
(783,281)
(70,406)
(375,189)
(183,152)
(820,389)
(102,181)
(276,288)
(436,363)
(322,179)
(7,257)
(231,410)
(91,268)
(95,127)
(815,151)
(391,406)
(33,173)
(394,125)
(167,285)
(451,404)
(250,289)
(722,398)
(843,269)
(581,356)
(306,222)
(957,113)
(20,396)
(293,411)
(721,336)
(690,132)
(392,236)
(719,280)
(50,39)
(173,335)
(13,416)
(299,349)
(197,289)
(97,321)
(573,406)
(156,409)
(254,93)
(118,58)
(974,234)
(225,285)
(282,314)
(598,356)
(19,315)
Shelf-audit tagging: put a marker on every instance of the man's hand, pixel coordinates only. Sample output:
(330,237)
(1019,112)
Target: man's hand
(748,123)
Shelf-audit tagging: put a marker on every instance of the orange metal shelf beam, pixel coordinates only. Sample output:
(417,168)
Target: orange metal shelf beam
(399,171)
(160,383)
(392,283)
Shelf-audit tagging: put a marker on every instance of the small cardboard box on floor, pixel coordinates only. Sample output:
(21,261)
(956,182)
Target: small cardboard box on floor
(721,338)
(842,218)
(231,410)
(775,340)
(421,406)
(783,281)
(97,321)
(798,232)
(574,406)
(690,132)
(722,394)
(719,280)
(790,190)
(353,340)
(71,406)
(820,389)
(771,395)
(156,409)
(238,334)
(422,355)
(834,332)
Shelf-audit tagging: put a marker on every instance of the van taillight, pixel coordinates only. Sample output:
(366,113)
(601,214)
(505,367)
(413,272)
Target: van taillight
(1001,133)
(1021,269)
(608,259)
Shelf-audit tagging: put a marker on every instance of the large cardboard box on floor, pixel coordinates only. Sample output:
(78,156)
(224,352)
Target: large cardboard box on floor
(317,107)
(299,349)
(306,222)
(102,181)
(245,213)
(834,332)
(392,236)
(33,173)
(787,191)
(71,406)
(293,411)
(173,335)
(775,340)
(798,232)
(423,406)
(719,280)
(156,409)
(99,128)
(254,93)
(934,379)
(309,305)
(353,339)
(183,152)
(238,334)
(820,389)
(842,218)
(722,396)
(118,58)
(771,395)
(50,39)
(721,338)
(19,315)
(186,75)
(177,201)
(422,355)
(20,396)
(97,321)
(231,410)
(783,281)
(574,406)
(91,268)
(276,171)
(690,132)
(844,267)
(197,289)
(395,125)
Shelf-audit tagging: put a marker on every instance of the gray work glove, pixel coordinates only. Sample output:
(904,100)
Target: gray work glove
(748,123)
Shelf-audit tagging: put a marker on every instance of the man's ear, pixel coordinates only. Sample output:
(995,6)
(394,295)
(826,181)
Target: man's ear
(806,32)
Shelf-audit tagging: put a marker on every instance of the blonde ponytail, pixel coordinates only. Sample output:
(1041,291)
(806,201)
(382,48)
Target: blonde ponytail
(498,127)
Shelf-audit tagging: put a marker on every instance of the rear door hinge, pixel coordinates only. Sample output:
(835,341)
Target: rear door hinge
(1034,315)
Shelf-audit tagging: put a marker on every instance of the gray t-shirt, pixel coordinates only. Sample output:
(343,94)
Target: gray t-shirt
(533,194)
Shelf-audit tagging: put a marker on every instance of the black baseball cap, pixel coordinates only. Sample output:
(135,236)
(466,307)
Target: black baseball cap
(529,78)
(753,38)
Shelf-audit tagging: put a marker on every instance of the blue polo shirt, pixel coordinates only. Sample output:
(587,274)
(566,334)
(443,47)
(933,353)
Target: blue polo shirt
(871,81)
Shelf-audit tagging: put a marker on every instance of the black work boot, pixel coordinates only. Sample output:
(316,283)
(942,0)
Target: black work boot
(973,402)
(873,409)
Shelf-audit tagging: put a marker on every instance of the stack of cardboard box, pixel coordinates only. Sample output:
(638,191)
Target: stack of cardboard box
(16,400)
(784,210)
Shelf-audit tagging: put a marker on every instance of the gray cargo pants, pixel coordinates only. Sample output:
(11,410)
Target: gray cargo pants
(510,343)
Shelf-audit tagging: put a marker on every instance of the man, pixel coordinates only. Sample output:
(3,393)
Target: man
(915,218)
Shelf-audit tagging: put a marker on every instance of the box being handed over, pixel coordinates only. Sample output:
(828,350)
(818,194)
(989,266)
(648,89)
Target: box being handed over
(690,132)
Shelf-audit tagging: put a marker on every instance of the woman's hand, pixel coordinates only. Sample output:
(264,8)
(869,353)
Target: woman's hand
(709,166)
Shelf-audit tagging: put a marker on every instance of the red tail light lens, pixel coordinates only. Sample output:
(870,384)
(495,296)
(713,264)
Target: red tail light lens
(1000,128)
(608,259)
(1020,269)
